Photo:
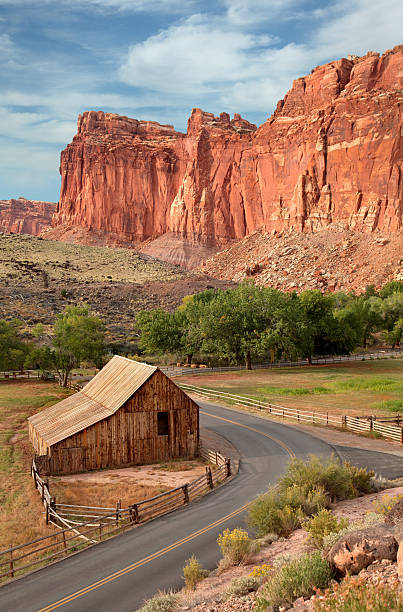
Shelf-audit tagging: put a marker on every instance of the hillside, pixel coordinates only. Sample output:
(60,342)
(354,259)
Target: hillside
(334,260)
(38,278)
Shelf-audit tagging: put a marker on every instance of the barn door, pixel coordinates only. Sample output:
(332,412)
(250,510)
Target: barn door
(73,460)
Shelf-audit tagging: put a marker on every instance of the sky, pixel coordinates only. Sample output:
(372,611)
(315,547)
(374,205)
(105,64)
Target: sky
(156,60)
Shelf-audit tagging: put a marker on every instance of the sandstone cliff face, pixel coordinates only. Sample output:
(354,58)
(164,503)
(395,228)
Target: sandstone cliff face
(331,152)
(25,216)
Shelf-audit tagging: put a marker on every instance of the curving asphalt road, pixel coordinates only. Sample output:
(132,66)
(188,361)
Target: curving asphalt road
(119,574)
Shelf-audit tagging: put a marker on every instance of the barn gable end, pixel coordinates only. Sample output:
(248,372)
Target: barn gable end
(156,422)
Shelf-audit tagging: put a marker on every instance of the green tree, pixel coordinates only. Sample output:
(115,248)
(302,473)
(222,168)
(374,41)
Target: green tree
(392,313)
(320,332)
(77,335)
(390,288)
(13,349)
(190,315)
(362,317)
(234,322)
(160,331)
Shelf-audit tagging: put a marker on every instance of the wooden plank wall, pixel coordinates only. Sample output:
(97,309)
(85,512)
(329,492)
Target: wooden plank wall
(130,436)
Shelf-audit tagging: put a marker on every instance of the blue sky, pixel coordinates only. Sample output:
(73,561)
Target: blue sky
(157,59)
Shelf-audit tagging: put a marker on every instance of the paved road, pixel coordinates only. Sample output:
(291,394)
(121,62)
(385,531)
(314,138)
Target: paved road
(117,575)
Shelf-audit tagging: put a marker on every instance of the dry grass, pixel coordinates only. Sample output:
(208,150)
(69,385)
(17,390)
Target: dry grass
(356,388)
(27,259)
(21,513)
(104,495)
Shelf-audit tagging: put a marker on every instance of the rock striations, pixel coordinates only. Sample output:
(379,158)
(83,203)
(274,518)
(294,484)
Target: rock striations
(25,216)
(330,154)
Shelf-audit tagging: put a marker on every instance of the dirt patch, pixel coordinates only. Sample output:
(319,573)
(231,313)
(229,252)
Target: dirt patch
(129,485)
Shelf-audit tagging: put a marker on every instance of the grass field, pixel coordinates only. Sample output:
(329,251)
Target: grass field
(356,388)
(21,513)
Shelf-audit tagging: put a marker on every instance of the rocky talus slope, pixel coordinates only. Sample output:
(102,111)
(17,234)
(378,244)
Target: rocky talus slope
(24,216)
(330,154)
(329,260)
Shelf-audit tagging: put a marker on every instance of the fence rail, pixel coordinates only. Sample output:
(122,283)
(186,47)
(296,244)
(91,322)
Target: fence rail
(82,526)
(357,424)
(319,360)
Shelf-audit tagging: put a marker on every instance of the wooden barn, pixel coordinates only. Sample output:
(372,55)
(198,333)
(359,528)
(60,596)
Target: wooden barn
(129,413)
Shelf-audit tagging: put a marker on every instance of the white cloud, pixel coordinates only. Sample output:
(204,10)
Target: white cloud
(29,167)
(132,6)
(35,127)
(360,26)
(198,56)
(6,45)
(216,59)
(246,12)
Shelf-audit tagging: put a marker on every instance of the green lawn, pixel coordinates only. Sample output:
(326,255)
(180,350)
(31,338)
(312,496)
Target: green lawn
(362,387)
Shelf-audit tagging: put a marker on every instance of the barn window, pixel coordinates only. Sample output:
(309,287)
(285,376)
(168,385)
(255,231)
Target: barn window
(163,427)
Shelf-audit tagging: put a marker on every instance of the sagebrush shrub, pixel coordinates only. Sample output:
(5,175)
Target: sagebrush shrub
(162,602)
(321,525)
(357,595)
(242,586)
(193,573)
(360,478)
(370,519)
(265,514)
(339,480)
(260,571)
(236,545)
(296,578)
(291,519)
(385,503)
(308,500)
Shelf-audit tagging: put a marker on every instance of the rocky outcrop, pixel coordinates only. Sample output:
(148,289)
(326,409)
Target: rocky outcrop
(331,153)
(25,216)
(358,549)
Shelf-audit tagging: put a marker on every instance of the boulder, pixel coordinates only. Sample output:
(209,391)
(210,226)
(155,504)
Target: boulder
(395,515)
(356,550)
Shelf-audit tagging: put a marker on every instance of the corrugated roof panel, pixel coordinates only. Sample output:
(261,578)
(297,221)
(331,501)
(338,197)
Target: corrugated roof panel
(100,398)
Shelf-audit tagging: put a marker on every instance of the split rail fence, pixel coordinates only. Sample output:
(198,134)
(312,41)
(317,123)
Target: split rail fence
(357,424)
(82,526)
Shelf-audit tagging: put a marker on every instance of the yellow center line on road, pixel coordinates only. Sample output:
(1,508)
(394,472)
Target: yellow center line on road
(279,442)
(167,549)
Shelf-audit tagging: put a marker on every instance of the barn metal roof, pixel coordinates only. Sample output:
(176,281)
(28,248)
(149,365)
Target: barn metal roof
(100,398)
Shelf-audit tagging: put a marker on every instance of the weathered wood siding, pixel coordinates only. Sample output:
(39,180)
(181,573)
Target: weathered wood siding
(130,436)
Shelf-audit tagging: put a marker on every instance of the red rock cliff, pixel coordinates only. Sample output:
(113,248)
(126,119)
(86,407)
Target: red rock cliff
(331,152)
(25,216)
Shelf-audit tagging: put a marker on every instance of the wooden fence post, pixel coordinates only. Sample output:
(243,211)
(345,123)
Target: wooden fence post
(64,541)
(209,477)
(134,513)
(185,494)
(11,564)
(228,466)
(47,513)
(100,530)
(344,421)
(118,506)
